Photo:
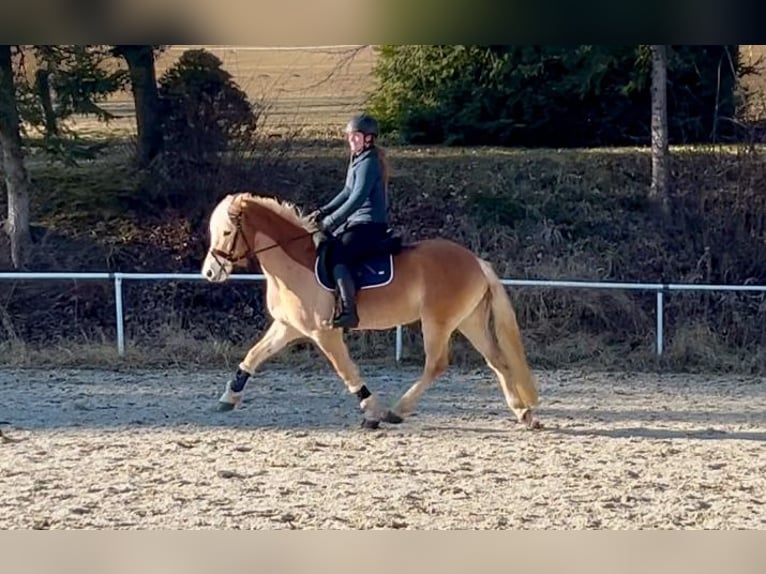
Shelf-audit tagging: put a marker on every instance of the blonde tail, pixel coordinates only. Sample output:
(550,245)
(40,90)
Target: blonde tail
(509,338)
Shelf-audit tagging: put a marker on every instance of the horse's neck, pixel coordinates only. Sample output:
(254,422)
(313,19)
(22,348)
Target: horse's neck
(276,237)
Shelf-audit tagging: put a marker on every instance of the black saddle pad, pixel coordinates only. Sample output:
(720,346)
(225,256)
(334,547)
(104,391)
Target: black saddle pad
(375,270)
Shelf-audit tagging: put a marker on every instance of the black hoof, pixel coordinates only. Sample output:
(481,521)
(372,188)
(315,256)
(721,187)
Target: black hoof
(370,424)
(224,407)
(393,418)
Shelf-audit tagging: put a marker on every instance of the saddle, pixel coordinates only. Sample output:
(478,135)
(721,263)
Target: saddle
(374,270)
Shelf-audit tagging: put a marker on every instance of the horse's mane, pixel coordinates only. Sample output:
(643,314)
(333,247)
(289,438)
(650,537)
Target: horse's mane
(281,207)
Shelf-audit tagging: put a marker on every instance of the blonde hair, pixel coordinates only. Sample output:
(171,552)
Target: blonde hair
(385,168)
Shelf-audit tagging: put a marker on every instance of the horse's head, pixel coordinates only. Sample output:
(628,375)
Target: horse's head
(228,243)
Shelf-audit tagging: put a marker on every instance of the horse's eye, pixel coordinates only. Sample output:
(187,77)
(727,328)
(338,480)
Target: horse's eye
(226,233)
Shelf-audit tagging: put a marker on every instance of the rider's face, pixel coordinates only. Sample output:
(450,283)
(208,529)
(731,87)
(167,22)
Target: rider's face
(356,141)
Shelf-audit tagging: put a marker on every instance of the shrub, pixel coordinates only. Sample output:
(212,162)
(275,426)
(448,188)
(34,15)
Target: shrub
(203,109)
(206,118)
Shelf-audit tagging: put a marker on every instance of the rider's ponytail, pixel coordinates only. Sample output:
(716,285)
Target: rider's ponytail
(385,169)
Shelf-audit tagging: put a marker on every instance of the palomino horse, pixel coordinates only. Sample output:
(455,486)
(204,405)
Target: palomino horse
(436,281)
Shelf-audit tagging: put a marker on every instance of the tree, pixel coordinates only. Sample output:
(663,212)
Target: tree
(55,82)
(42,87)
(143,80)
(16,177)
(660,191)
(552,96)
(204,111)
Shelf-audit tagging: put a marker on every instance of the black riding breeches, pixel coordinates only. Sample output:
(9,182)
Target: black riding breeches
(355,243)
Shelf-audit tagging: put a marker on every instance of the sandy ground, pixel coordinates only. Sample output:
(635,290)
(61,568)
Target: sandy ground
(139,450)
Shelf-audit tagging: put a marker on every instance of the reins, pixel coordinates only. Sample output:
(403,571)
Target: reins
(301,236)
(249,251)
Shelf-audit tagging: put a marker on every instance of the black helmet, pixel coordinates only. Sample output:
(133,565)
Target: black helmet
(362,123)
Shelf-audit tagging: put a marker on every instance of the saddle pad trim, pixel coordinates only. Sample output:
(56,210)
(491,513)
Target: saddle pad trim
(323,286)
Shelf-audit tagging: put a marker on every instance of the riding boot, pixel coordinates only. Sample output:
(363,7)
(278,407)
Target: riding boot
(347,317)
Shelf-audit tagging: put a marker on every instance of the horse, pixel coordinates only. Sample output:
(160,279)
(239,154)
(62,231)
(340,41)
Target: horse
(435,281)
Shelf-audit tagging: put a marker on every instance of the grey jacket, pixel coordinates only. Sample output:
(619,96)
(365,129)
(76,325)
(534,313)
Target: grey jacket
(362,199)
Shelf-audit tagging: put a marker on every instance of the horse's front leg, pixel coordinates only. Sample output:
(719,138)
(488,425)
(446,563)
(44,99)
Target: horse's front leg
(331,343)
(276,338)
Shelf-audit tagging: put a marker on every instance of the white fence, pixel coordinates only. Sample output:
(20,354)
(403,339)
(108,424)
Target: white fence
(117,278)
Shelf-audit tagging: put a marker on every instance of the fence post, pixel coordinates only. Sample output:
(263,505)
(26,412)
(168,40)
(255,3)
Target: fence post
(120,318)
(660,325)
(398,343)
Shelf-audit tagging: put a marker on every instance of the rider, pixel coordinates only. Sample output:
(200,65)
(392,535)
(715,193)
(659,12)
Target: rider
(357,217)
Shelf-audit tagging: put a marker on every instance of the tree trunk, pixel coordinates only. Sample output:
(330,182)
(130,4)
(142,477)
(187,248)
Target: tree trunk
(42,86)
(660,189)
(43,89)
(16,178)
(143,79)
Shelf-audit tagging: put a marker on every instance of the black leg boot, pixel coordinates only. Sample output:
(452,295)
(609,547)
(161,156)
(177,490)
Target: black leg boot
(347,317)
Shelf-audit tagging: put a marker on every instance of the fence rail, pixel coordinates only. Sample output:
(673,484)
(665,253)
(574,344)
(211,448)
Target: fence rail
(117,278)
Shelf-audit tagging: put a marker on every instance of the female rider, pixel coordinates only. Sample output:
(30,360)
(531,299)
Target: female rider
(356,219)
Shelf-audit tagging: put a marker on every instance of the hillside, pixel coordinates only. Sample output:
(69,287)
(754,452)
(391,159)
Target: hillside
(547,214)
(535,214)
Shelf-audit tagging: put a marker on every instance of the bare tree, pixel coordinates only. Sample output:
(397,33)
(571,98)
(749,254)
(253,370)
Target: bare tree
(16,177)
(660,188)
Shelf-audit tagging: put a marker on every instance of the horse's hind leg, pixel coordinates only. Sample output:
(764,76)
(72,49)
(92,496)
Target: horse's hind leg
(331,343)
(436,345)
(475,328)
(276,338)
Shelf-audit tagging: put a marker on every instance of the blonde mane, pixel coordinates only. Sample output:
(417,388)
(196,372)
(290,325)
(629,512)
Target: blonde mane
(283,208)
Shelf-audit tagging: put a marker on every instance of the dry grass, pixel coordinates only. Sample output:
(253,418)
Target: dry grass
(755,56)
(174,348)
(574,214)
(313,90)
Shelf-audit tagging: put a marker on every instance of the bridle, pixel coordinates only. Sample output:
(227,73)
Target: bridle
(229,256)
(248,253)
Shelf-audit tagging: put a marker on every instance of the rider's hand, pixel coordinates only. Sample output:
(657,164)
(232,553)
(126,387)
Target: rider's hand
(319,237)
(315,217)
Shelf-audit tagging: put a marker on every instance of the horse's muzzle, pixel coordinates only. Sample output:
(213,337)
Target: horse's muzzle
(214,270)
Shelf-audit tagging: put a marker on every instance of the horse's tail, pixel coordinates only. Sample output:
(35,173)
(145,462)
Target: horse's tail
(509,337)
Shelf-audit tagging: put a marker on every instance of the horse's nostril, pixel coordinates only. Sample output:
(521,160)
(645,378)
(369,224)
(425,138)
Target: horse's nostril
(209,273)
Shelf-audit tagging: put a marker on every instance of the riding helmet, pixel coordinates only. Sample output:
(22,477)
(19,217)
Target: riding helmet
(363,123)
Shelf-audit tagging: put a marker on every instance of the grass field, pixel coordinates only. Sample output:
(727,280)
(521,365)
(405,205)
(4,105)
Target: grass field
(314,89)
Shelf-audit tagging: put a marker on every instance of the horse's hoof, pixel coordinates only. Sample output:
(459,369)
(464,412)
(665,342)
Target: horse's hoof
(530,422)
(225,407)
(370,424)
(392,417)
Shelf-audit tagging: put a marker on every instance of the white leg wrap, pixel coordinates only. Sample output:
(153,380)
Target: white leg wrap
(230,396)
